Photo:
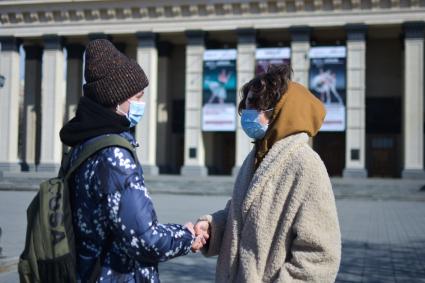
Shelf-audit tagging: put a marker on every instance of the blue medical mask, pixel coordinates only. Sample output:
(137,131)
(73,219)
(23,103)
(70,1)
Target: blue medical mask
(135,112)
(251,124)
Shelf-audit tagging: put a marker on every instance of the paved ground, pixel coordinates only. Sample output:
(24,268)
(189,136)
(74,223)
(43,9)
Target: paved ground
(369,189)
(383,241)
(383,234)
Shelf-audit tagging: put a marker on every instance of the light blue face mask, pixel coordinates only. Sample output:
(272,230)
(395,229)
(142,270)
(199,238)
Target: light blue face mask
(135,112)
(251,124)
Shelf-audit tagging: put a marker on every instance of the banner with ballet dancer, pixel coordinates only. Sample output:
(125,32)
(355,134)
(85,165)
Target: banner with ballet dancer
(219,90)
(327,80)
(268,56)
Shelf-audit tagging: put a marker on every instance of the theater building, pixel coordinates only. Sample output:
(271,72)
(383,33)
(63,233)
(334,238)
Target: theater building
(363,58)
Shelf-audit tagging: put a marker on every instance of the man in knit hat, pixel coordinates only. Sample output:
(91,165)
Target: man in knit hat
(112,212)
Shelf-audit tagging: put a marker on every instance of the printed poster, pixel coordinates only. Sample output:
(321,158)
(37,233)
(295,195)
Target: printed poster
(219,90)
(268,56)
(327,80)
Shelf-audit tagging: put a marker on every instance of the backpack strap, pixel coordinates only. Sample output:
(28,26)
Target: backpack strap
(103,142)
(66,157)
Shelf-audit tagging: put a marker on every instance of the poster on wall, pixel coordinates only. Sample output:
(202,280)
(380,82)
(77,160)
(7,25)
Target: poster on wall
(219,90)
(265,57)
(327,80)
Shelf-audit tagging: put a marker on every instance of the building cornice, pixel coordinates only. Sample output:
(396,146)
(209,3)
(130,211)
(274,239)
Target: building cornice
(34,18)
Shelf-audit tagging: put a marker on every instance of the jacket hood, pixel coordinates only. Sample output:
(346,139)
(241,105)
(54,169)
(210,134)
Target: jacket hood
(91,120)
(297,111)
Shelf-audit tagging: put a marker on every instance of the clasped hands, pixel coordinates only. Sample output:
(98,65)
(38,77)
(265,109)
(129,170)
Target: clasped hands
(201,233)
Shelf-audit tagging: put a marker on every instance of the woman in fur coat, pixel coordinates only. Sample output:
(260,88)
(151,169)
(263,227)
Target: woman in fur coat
(281,223)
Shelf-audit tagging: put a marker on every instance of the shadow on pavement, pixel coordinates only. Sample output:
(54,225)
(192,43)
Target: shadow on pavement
(366,262)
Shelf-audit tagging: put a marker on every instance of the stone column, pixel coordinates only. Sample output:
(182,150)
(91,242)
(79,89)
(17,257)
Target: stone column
(74,78)
(52,103)
(9,104)
(147,57)
(300,61)
(413,103)
(245,72)
(355,144)
(32,107)
(194,150)
(300,46)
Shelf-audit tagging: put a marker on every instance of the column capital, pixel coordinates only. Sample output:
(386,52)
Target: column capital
(300,33)
(98,35)
(195,37)
(356,32)
(33,52)
(246,35)
(414,30)
(9,43)
(52,42)
(147,39)
(75,50)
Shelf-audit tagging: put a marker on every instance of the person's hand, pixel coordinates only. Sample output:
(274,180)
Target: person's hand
(190,227)
(202,228)
(198,243)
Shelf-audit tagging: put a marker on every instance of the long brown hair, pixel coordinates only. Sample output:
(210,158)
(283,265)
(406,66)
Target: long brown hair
(267,88)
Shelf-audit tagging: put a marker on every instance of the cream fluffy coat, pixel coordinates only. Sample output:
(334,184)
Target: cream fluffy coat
(281,224)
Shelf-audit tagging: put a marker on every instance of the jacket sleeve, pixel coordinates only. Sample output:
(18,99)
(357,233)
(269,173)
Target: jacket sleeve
(132,214)
(217,223)
(316,249)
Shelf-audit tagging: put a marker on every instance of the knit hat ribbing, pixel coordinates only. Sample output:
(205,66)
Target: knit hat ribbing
(111,77)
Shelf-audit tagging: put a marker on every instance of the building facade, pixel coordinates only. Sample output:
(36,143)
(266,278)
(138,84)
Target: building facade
(383,134)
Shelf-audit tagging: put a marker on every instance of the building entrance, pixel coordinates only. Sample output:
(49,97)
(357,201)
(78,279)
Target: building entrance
(219,152)
(383,133)
(331,148)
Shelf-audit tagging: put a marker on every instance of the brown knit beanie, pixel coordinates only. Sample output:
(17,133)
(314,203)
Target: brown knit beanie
(111,77)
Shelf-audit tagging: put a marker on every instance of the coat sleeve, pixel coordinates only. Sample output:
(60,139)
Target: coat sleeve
(316,249)
(132,214)
(217,223)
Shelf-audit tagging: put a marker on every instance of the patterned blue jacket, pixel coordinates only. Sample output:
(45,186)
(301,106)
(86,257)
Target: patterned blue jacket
(109,197)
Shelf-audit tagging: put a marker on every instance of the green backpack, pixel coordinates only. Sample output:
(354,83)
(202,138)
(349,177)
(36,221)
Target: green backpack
(49,254)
